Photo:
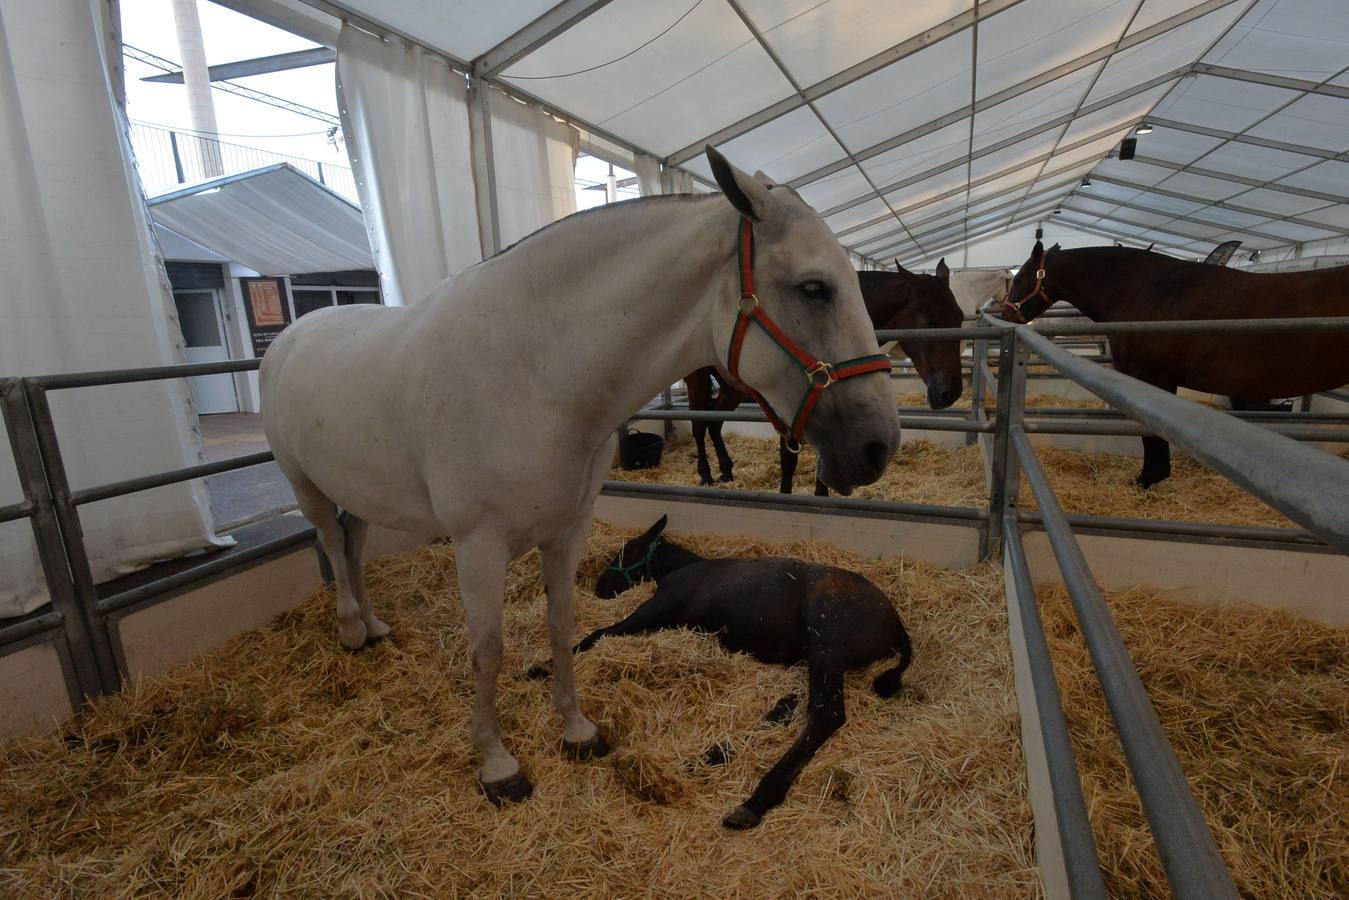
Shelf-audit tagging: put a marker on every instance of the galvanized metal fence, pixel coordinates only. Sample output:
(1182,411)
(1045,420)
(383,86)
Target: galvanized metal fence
(1257,451)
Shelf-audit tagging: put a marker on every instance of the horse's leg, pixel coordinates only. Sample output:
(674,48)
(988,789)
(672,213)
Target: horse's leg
(1156,457)
(322,514)
(700,440)
(357,529)
(820,489)
(787,461)
(724,461)
(825,714)
(580,739)
(482,575)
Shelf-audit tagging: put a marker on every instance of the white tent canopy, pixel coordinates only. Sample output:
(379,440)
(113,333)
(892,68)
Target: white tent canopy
(923,127)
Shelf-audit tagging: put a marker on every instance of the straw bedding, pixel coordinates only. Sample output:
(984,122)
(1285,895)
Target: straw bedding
(1256,705)
(1103,484)
(921,472)
(281,764)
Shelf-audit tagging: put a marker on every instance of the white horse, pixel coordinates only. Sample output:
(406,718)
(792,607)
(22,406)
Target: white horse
(972,287)
(487,411)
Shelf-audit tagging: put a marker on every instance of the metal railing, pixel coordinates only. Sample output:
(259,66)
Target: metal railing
(1307,485)
(166,158)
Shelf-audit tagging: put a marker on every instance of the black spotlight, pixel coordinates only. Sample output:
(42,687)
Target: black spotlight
(1127,148)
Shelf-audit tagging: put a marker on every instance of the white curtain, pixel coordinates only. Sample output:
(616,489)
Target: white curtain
(535,164)
(84,289)
(647,169)
(405,116)
(676,181)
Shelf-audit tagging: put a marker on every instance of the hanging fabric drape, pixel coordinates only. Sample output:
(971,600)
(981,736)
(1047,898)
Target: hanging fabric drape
(647,169)
(535,161)
(84,289)
(676,181)
(406,122)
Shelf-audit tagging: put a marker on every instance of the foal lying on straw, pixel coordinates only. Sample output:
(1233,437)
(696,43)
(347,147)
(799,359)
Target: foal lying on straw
(780,611)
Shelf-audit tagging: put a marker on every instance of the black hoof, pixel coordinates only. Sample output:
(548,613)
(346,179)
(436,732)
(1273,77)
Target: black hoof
(1146,480)
(741,818)
(538,672)
(595,748)
(726,477)
(514,789)
(705,481)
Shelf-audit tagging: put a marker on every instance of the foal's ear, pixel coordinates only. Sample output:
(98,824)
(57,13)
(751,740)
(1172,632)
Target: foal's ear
(746,193)
(900,269)
(1037,252)
(942,272)
(1053,248)
(657,528)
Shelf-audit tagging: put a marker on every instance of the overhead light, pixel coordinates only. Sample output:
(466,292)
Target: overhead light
(1145,128)
(1057,211)
(1086,182)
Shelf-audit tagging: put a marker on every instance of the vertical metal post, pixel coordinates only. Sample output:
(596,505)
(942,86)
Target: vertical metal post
(321,180)
(23,439)
(177,157)
(72,536)
(667,396)
(484,166)
(1006,474)
(978,388)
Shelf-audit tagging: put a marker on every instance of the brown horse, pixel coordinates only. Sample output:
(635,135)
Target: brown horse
(894,300)
(1122,284)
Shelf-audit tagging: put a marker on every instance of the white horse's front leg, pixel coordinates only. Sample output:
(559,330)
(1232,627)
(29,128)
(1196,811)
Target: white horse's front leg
(482,575)
(580,739)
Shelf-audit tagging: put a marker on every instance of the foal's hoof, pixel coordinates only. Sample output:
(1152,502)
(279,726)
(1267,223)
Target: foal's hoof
(595,748)
(726,477)
(741,818)
(514,789)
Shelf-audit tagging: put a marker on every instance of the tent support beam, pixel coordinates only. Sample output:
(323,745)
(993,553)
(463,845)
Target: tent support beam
(1241,179)
(1251,139)
(1279,81)
(534,35)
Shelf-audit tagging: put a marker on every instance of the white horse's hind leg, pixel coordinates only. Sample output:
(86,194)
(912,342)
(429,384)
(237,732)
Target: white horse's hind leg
(356,529)
(322,514)
(580,738)
(482,576)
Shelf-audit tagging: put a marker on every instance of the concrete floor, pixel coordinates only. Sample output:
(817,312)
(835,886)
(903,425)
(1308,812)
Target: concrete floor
(244,495)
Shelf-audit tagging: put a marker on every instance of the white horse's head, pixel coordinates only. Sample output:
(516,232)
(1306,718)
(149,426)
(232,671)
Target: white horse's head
(807,286)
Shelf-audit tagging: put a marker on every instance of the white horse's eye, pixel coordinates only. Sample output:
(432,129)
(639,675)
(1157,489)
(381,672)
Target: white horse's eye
(816,290)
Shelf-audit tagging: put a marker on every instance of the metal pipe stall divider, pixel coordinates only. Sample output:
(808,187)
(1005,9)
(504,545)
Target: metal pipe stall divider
(1081,864)
(1307,485)
(1194,868)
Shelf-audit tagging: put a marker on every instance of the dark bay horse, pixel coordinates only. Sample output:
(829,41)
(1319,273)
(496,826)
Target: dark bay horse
(894,300)
(1122,284)
(781,612)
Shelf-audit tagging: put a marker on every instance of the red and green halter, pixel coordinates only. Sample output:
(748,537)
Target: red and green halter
(819,374)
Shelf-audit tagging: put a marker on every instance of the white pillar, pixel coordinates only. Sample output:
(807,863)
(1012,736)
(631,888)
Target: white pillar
(197,80)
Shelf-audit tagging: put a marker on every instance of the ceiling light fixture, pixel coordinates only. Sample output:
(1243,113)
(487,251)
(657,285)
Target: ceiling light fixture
(1144,128)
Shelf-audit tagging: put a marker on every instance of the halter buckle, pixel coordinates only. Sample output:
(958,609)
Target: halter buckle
(1040,274)
(749,303)
(820,368)
(792,444)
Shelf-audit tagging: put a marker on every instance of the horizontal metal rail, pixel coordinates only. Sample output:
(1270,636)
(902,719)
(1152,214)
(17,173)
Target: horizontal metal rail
(1080,861)
(802,501)
(1307,485)
(1194,867)
(1342,396)
(26,628)
(21,510)
(917,423)
(1064,425)
(1191,529)
(145,373)
(1210,327)
(147,482)
(1250,415)
(964,333)
(212,566)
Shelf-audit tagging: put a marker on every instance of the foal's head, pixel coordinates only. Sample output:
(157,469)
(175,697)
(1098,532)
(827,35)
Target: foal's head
(929,303)
(804,282)
(633,563)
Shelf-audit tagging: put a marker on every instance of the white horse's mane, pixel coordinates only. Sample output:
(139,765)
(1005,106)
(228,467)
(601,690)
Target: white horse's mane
(594,211)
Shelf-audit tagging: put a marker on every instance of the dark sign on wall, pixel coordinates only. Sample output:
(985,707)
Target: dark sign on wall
(268,313)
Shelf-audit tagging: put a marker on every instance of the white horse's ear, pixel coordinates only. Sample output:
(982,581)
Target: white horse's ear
(762,177)
(745,192)
(658,527)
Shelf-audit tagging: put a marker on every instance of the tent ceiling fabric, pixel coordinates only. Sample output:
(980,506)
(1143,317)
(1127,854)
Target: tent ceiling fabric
(913,126)
(275,221)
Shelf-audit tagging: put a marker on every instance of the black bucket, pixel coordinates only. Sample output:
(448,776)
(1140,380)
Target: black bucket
(640,450)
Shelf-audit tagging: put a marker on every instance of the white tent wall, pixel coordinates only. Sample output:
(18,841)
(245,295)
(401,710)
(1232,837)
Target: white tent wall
(85,289)
(647,169)
(1011,248)
(534,156)
(405,117)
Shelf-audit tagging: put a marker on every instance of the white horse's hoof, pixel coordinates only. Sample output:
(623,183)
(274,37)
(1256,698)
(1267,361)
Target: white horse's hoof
(595,748)
(511,789)
(351,635)
(375,630)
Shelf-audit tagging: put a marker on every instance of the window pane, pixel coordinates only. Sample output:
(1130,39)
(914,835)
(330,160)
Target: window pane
(196,316)
(308,301)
